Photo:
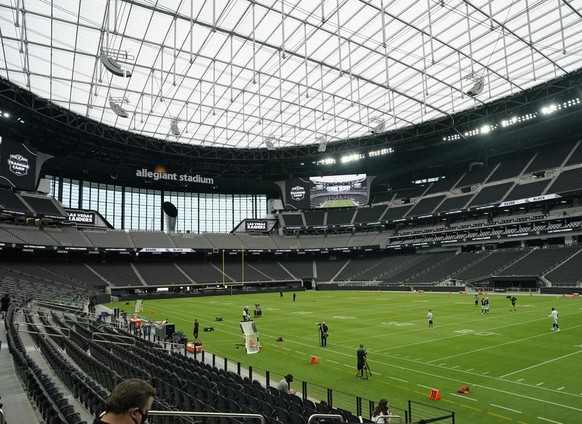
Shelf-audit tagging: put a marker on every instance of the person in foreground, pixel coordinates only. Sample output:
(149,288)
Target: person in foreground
(128,403)
(285,384)
(380,411)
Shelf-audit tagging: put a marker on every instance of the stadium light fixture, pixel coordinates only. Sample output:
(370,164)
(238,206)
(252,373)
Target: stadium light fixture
(115,105)
(379,128)
(112,65)
(478,84)
(351,158)
(546,110)
(270,143)
(476,89)
(322,144)
(174,127)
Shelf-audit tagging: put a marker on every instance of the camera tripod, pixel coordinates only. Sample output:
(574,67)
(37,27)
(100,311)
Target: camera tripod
(367,371)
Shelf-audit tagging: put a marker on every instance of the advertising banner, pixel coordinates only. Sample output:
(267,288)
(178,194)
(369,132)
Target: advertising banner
(17,165)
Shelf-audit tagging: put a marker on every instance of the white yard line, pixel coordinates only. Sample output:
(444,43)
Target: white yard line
(425,387)
(541,363)
(463,397)
(492,346)
(507,409)
(548,420)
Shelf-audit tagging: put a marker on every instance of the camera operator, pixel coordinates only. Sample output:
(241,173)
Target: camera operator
(323,334)
(362,356)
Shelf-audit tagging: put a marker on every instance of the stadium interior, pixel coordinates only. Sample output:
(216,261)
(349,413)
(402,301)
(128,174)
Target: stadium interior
(454,178)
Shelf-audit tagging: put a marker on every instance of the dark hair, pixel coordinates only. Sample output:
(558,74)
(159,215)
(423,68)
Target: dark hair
(381,409)
(130,393)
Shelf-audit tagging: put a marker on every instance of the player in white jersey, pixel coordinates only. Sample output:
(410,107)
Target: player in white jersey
(554,316)
(429,316)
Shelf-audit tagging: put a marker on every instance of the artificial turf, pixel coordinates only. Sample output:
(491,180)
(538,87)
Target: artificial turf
(517,370)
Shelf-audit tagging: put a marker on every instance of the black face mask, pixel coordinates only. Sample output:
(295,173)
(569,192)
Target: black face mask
(144,417)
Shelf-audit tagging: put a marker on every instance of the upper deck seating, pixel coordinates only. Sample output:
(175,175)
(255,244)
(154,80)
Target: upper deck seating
(293,219)
(478,175)
(551,156)
(411,192)
(12,203)
(454,203)
(576,156)
(426,206)
(383,197)
(257,241)
(151,239)
(336,240)
(69,237)
(396,212)
(340,216)
(525,191)
(31,235)
(311,242)
(314,218)
(372,214)
(570,180)
(225,241)
(491,194)
(362,239)
(191,240)
(7,237)
(109,238)
(44,206)
(442,185)
(286,242)
(511,167)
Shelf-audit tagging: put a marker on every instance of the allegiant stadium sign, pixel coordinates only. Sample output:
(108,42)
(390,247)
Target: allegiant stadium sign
(184,178)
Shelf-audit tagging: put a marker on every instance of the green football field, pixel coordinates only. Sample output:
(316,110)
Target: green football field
(517,369)
(338,203)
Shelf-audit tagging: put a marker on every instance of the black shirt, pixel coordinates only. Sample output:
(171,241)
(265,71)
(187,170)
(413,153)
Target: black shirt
(361,355)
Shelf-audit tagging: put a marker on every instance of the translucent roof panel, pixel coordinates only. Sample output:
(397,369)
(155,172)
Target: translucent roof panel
(273,74)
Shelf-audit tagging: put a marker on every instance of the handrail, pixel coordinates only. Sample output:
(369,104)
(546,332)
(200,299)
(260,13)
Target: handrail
(388,418)
(260,417)
(314,416)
